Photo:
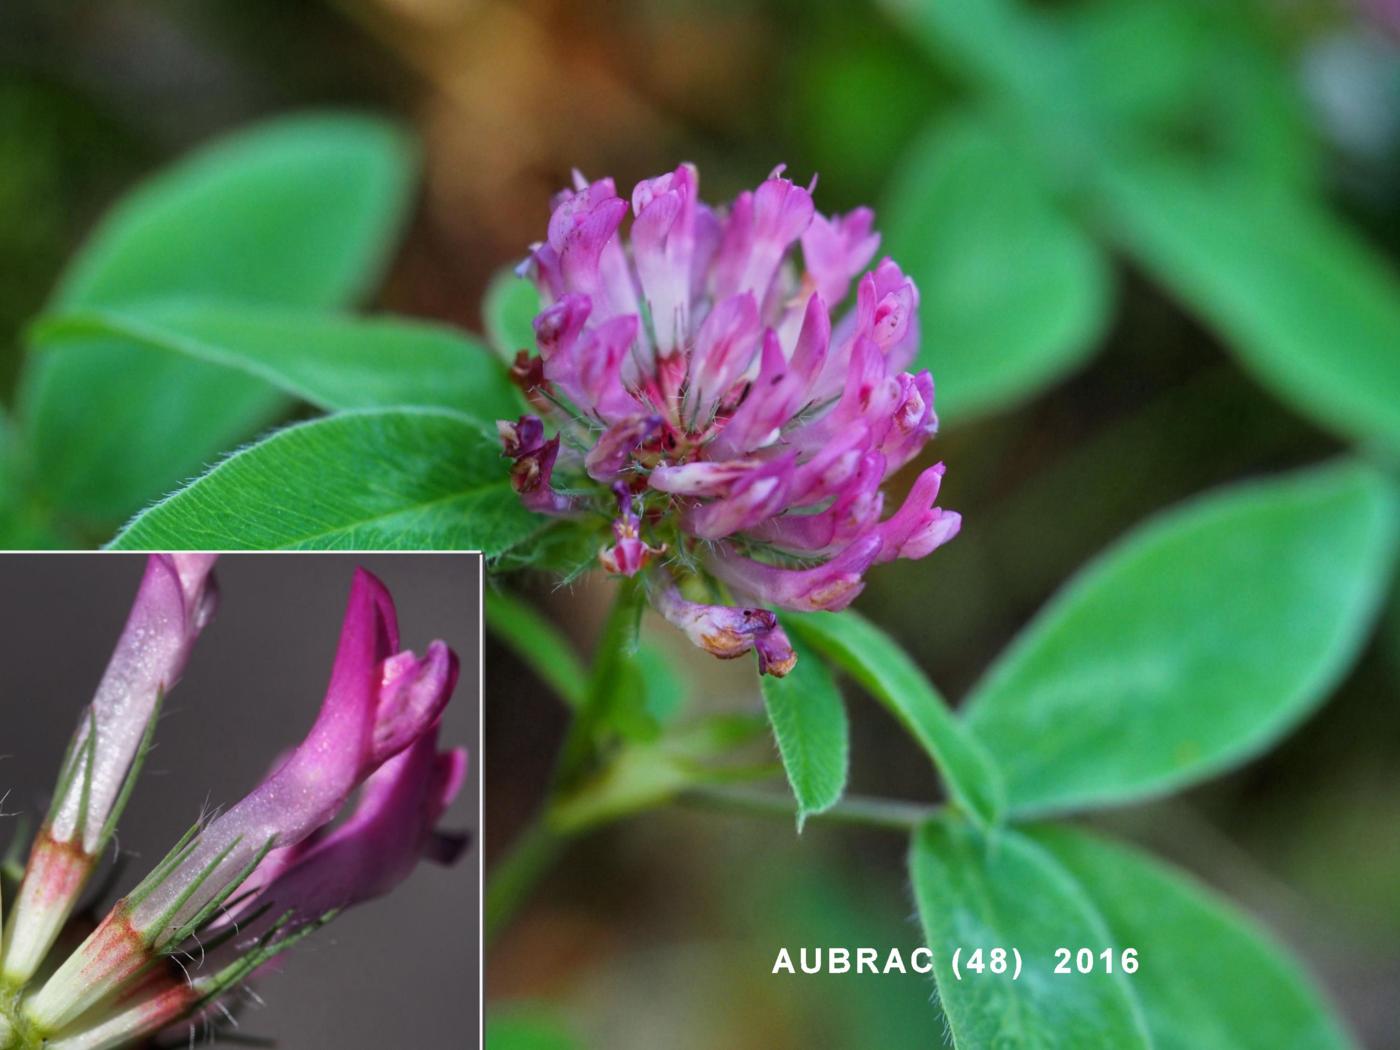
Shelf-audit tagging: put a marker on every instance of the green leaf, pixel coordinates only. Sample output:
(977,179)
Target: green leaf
(1012,295)
(1312,311)
(809,724)
(417,479)
(331,362)
(565,549)
(299,212)
(643,692)
(996,44)
(1147,61)
(508,311)
(111,426)
(1209,979)
(1192,644)
(24,525)
(1199,77)
(664,692)
(886,672)
(538,643)
(1022,64)
(1003,891)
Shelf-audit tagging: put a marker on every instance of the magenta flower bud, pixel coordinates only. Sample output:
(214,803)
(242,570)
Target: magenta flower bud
(775,653)
(380,700)
(718,629)
(533,470)
(630,554)
(176,600)
(753,405)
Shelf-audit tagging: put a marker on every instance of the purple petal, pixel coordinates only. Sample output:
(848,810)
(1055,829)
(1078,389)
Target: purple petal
(782,387)
(557,332)
(918,527)
(830,586)
(725,347)
(855,509)
(913,422)
(836,249)
(894,314)
(663,244)
(761,227)
(702,478)
(379,845)
(608,460)
(606,365)
(379,701)
(755,497)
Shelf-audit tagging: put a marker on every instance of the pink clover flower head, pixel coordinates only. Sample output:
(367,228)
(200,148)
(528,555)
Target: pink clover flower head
(728,407)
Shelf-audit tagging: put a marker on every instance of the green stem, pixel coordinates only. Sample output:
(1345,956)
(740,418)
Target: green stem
(853,809)
(616,644)
(533,853)
(514,876)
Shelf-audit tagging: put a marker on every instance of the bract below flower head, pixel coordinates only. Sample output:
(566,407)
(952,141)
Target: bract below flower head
(747,417)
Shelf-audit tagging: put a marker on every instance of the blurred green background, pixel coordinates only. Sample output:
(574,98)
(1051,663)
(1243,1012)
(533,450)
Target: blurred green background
(1104,346)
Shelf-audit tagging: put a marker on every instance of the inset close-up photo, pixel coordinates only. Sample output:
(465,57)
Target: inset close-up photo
(242,799)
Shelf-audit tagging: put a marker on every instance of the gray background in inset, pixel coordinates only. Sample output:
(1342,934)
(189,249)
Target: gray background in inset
(397,972)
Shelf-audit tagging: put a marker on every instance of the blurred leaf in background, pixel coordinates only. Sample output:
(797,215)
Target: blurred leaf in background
(1192,644)
(301,212)
(1012,294)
